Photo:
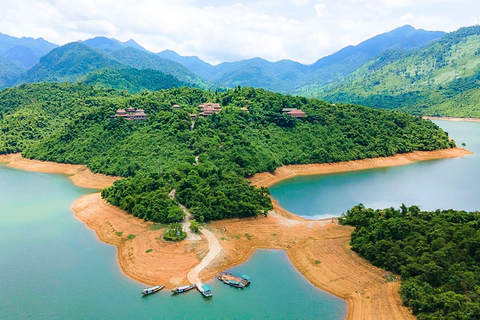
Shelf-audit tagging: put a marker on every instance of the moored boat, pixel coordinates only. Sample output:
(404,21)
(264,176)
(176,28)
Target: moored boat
(234,281)
(151,290)
(183,289)
(204,289)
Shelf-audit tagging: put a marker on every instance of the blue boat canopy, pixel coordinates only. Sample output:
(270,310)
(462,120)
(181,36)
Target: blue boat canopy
(206,287)
(246,277)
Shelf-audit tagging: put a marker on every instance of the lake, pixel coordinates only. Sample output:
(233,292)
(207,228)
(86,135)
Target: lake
(52,266)
(437,184)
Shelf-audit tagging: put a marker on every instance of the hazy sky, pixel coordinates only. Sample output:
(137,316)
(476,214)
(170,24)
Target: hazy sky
(222,30)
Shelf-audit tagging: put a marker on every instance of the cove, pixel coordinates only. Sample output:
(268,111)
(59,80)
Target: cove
(437,184)
(52,266)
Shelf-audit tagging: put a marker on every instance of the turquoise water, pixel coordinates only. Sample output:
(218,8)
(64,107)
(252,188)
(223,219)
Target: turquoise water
(438,184)
(52,266)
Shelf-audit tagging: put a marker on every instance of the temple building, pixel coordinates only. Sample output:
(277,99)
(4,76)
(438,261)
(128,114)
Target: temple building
(131,114)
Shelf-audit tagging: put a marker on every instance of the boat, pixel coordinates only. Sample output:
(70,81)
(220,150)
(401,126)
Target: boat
(151,290)
(204,289)
(234,281)
(183,289)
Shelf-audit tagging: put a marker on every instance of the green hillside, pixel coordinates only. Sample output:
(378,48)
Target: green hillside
(139,59)
(436,253)
(68,63)
(132,80)
(73,124)
(289,76)
(10,72)
(442,79)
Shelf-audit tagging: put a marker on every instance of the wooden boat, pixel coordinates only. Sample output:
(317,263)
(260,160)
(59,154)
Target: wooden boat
(151,290)
(234,281)
(183,289)
(204,289)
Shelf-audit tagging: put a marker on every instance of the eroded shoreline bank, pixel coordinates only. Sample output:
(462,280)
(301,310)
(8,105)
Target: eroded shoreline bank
(452,119)
(80,175)
(267,179)
(318,249)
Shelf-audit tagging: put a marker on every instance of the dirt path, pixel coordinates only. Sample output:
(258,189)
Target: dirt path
(191,236)
(214,248)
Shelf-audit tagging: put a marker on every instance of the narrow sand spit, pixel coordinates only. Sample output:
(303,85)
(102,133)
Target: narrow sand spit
(318,249)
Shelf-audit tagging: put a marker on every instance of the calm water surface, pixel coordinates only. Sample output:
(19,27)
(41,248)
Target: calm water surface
(438,184)
(52,266)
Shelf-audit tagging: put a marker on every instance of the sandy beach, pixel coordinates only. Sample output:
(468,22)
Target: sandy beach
(318,249)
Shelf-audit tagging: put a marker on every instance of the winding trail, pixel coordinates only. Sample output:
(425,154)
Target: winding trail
(214,247)
(214,250)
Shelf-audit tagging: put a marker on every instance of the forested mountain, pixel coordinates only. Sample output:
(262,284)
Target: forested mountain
(74,60)
(132,80)
(24,52)
(73,124)
(436,253)
(10,72)
(77,61)
(143,60)
(290,76)
(69,62)
(441,79)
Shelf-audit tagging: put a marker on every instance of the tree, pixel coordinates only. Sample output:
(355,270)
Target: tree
(174,232)
(195,226)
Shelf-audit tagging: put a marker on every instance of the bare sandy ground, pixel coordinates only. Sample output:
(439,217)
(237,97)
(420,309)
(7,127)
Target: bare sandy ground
(145,258)
(453,119)
(318,249)
(79,174)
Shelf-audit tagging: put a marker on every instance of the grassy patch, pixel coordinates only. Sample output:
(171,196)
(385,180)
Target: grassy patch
(317,262)
(249,237)
(119,233)
(131,236)
(237,236)
(274,234)
(149,250)
(224,239)
(389,277)
(156,226)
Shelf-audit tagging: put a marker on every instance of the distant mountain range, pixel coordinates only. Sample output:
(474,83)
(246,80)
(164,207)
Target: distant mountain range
(422,72)
(289,76)
(20,62)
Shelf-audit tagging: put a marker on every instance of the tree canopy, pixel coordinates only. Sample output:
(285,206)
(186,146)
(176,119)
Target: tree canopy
(436,253)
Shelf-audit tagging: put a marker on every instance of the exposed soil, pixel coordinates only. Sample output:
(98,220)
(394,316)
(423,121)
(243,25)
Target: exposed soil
(452,119)
(79,174)
(267,179)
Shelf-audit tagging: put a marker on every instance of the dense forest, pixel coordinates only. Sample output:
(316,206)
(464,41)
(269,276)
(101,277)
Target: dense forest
(205,160)
(436,253)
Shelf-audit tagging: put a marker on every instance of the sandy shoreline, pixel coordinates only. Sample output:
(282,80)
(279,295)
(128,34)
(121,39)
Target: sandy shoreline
(318,249)
(267,179)
(80,175)
(452,119)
